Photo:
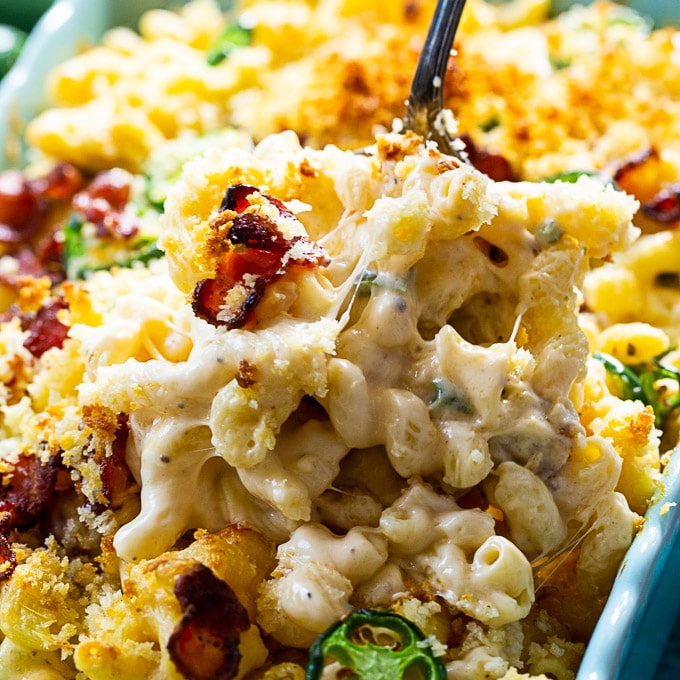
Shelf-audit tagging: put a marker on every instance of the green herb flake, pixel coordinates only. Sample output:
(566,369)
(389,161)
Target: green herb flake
(371,279)
(234,35)
(490,123)
(559,62)
(572,176)
(548,232)
(449,397)
(74,247)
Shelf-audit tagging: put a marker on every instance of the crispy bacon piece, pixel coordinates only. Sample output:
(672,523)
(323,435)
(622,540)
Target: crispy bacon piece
(29,492)
(204,644)
(492,164)
(45,329)
(625,171)
(236,199)
(24,202)
(21,209)
(641,174)
(49,255)
(27,264)
(114,470)
(110,432)
(8,558)
(209,296)
(24,501)
(59,184)
(103,203)
(665,206)
(24,214)
(255,253)
(45,258)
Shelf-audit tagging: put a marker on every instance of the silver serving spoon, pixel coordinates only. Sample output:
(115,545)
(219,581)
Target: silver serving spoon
(425,103)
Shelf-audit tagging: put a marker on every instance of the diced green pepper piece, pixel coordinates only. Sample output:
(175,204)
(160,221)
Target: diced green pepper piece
(371,279)
(375,645)
(548,232)
(447,396)
(234,35)
(572,177)
(642,382)
(629,384)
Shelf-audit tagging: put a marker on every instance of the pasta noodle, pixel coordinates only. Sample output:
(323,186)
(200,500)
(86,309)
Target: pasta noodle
(283,361)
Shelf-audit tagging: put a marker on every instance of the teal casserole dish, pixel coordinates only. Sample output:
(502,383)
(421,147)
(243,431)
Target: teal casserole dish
(637,637)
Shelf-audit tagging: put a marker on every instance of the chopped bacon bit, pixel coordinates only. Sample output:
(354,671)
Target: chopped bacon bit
(112,186)
(496,166)
(665,206)
(60,183)
(204,644)
(21,209)
(113,469)
(49,253)
(24,202)
(45,258)
(640,174)
(103,203)
(27,265)
(17,202)
(24,501)
(307,169)
(24,212)
(253,232)
(247,374)
(210,294)
(236,197)
(8,559)
(111,428)
(412,10)
(633,162)
(29,492)
(256,253)
(46,330)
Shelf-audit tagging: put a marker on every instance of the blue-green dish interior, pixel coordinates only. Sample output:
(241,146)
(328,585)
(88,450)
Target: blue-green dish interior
(662,12)
(628,642)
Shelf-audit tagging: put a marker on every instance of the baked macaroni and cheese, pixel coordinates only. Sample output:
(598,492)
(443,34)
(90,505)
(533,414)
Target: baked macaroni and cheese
(289,393)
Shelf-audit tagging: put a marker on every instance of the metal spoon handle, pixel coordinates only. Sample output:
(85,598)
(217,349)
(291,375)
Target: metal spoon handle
(425,100)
